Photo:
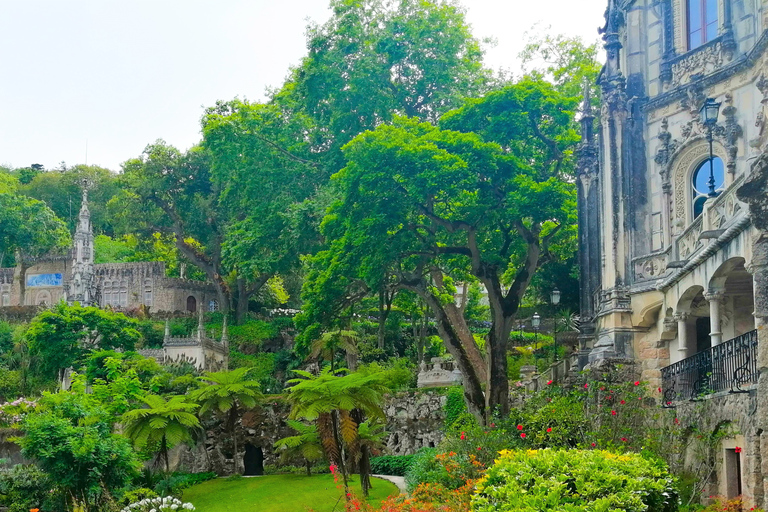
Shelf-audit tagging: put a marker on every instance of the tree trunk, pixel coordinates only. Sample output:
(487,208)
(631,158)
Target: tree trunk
(365,470)
(309,467)
(164,451)
(340,447)
(385,307)
(233,422)
(498,384)
(23,267)
(242,302)
(473,392)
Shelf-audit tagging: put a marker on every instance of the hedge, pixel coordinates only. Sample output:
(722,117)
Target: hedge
(575,481)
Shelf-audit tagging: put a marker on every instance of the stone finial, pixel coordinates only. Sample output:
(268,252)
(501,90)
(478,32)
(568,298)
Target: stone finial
(224,333)
(200,325)
(167,329)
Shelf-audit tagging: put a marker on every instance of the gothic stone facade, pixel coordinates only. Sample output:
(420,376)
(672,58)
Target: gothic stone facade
(673,277)
(76,278)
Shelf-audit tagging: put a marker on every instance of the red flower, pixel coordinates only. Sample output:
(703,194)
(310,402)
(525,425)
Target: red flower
(522,435)
(549,429)
(594,444)
(608,397)
(677,421)
(602,388)
(519,427)
(549,382)
(613,413)
(493,425)
(463,436)
(737,449)
(624,439)
(478,448)
(586,385)
(659,390)
(622,402)
(637,383)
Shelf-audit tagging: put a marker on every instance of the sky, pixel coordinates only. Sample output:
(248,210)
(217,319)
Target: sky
(95,81)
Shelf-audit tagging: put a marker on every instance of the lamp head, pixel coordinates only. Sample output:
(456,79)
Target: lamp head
(555,296)
(709,112)
(536,321)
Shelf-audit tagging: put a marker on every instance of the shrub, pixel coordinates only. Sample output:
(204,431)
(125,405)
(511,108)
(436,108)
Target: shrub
(454,405)
(393,465)
(451,470)
(575,480)
(175,484)
(136,495)
(23,488)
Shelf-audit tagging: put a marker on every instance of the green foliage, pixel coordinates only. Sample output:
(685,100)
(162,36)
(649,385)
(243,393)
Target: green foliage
(451,470)
(175,483)
(61,337)
(162,423)
(6,337)
(23,488)
(305,444)
(455,407)
(69,437)
(142,493)
(29,226)
(396,465)
(400,373)
(252,333)
(575,480)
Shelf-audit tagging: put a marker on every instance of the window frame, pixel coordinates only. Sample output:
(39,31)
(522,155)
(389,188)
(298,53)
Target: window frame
(704,26)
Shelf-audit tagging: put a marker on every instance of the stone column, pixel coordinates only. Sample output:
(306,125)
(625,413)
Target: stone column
(715,299)
(682,334)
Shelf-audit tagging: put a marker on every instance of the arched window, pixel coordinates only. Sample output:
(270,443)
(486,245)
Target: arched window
(702,22)
(5,299)
(701,183)
(147,292)
(213,305)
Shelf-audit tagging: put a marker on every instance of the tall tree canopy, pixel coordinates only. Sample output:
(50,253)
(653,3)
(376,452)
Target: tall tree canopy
(484,193)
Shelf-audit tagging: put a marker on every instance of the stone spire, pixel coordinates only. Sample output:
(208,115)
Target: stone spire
(587,115)
(200,325)
(167,334)
(81,286)
(224,333)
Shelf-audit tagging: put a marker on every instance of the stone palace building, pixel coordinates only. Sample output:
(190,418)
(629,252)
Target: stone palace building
(673,207)
(76,278)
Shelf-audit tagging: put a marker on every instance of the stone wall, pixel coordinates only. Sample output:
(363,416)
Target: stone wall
(414,420)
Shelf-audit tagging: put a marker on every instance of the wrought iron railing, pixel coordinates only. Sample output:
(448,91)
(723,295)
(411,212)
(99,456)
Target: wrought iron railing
(730,366)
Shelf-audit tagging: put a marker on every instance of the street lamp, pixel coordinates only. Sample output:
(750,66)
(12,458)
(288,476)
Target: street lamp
(535,323)
(554,297)
(520,327)
(709,112)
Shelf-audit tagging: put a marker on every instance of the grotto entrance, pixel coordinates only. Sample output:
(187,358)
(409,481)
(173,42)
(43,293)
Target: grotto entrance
(253,460)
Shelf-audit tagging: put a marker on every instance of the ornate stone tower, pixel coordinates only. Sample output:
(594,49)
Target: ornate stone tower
(81,286)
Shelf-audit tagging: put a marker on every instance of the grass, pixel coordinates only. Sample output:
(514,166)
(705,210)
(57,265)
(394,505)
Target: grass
(278,493)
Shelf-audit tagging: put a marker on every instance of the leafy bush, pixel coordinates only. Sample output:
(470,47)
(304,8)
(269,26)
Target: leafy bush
(136,495)
(393,465)
(575,480)
(451,470)
(317,469)
(455,405)
(25,487)
(175,484)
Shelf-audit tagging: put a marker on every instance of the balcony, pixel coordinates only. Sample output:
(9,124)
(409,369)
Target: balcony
(728,367)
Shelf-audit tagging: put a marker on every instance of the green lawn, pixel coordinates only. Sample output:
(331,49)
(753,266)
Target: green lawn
(277,493)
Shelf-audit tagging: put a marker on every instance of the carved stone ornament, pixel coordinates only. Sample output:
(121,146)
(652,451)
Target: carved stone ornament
(651,267)
(702,61)
(758,143)
(754,192)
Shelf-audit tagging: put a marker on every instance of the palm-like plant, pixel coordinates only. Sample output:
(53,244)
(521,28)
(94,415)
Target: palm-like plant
(334,401)
(371,438)
(227,392)
(167,423)
(330,343)
(306,444)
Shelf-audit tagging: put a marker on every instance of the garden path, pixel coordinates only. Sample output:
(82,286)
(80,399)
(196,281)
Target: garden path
(399,481)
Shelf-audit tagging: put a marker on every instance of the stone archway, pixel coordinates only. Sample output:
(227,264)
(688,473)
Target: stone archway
(253,460)
(683,165)
(191,304)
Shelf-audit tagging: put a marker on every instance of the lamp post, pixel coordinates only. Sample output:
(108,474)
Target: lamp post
(520,327)
(709,113)
(554,298)
(535,323)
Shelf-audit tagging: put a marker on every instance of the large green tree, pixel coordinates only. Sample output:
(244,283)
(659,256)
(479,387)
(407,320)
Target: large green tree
(485,193)
(29,230)
(61,337)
